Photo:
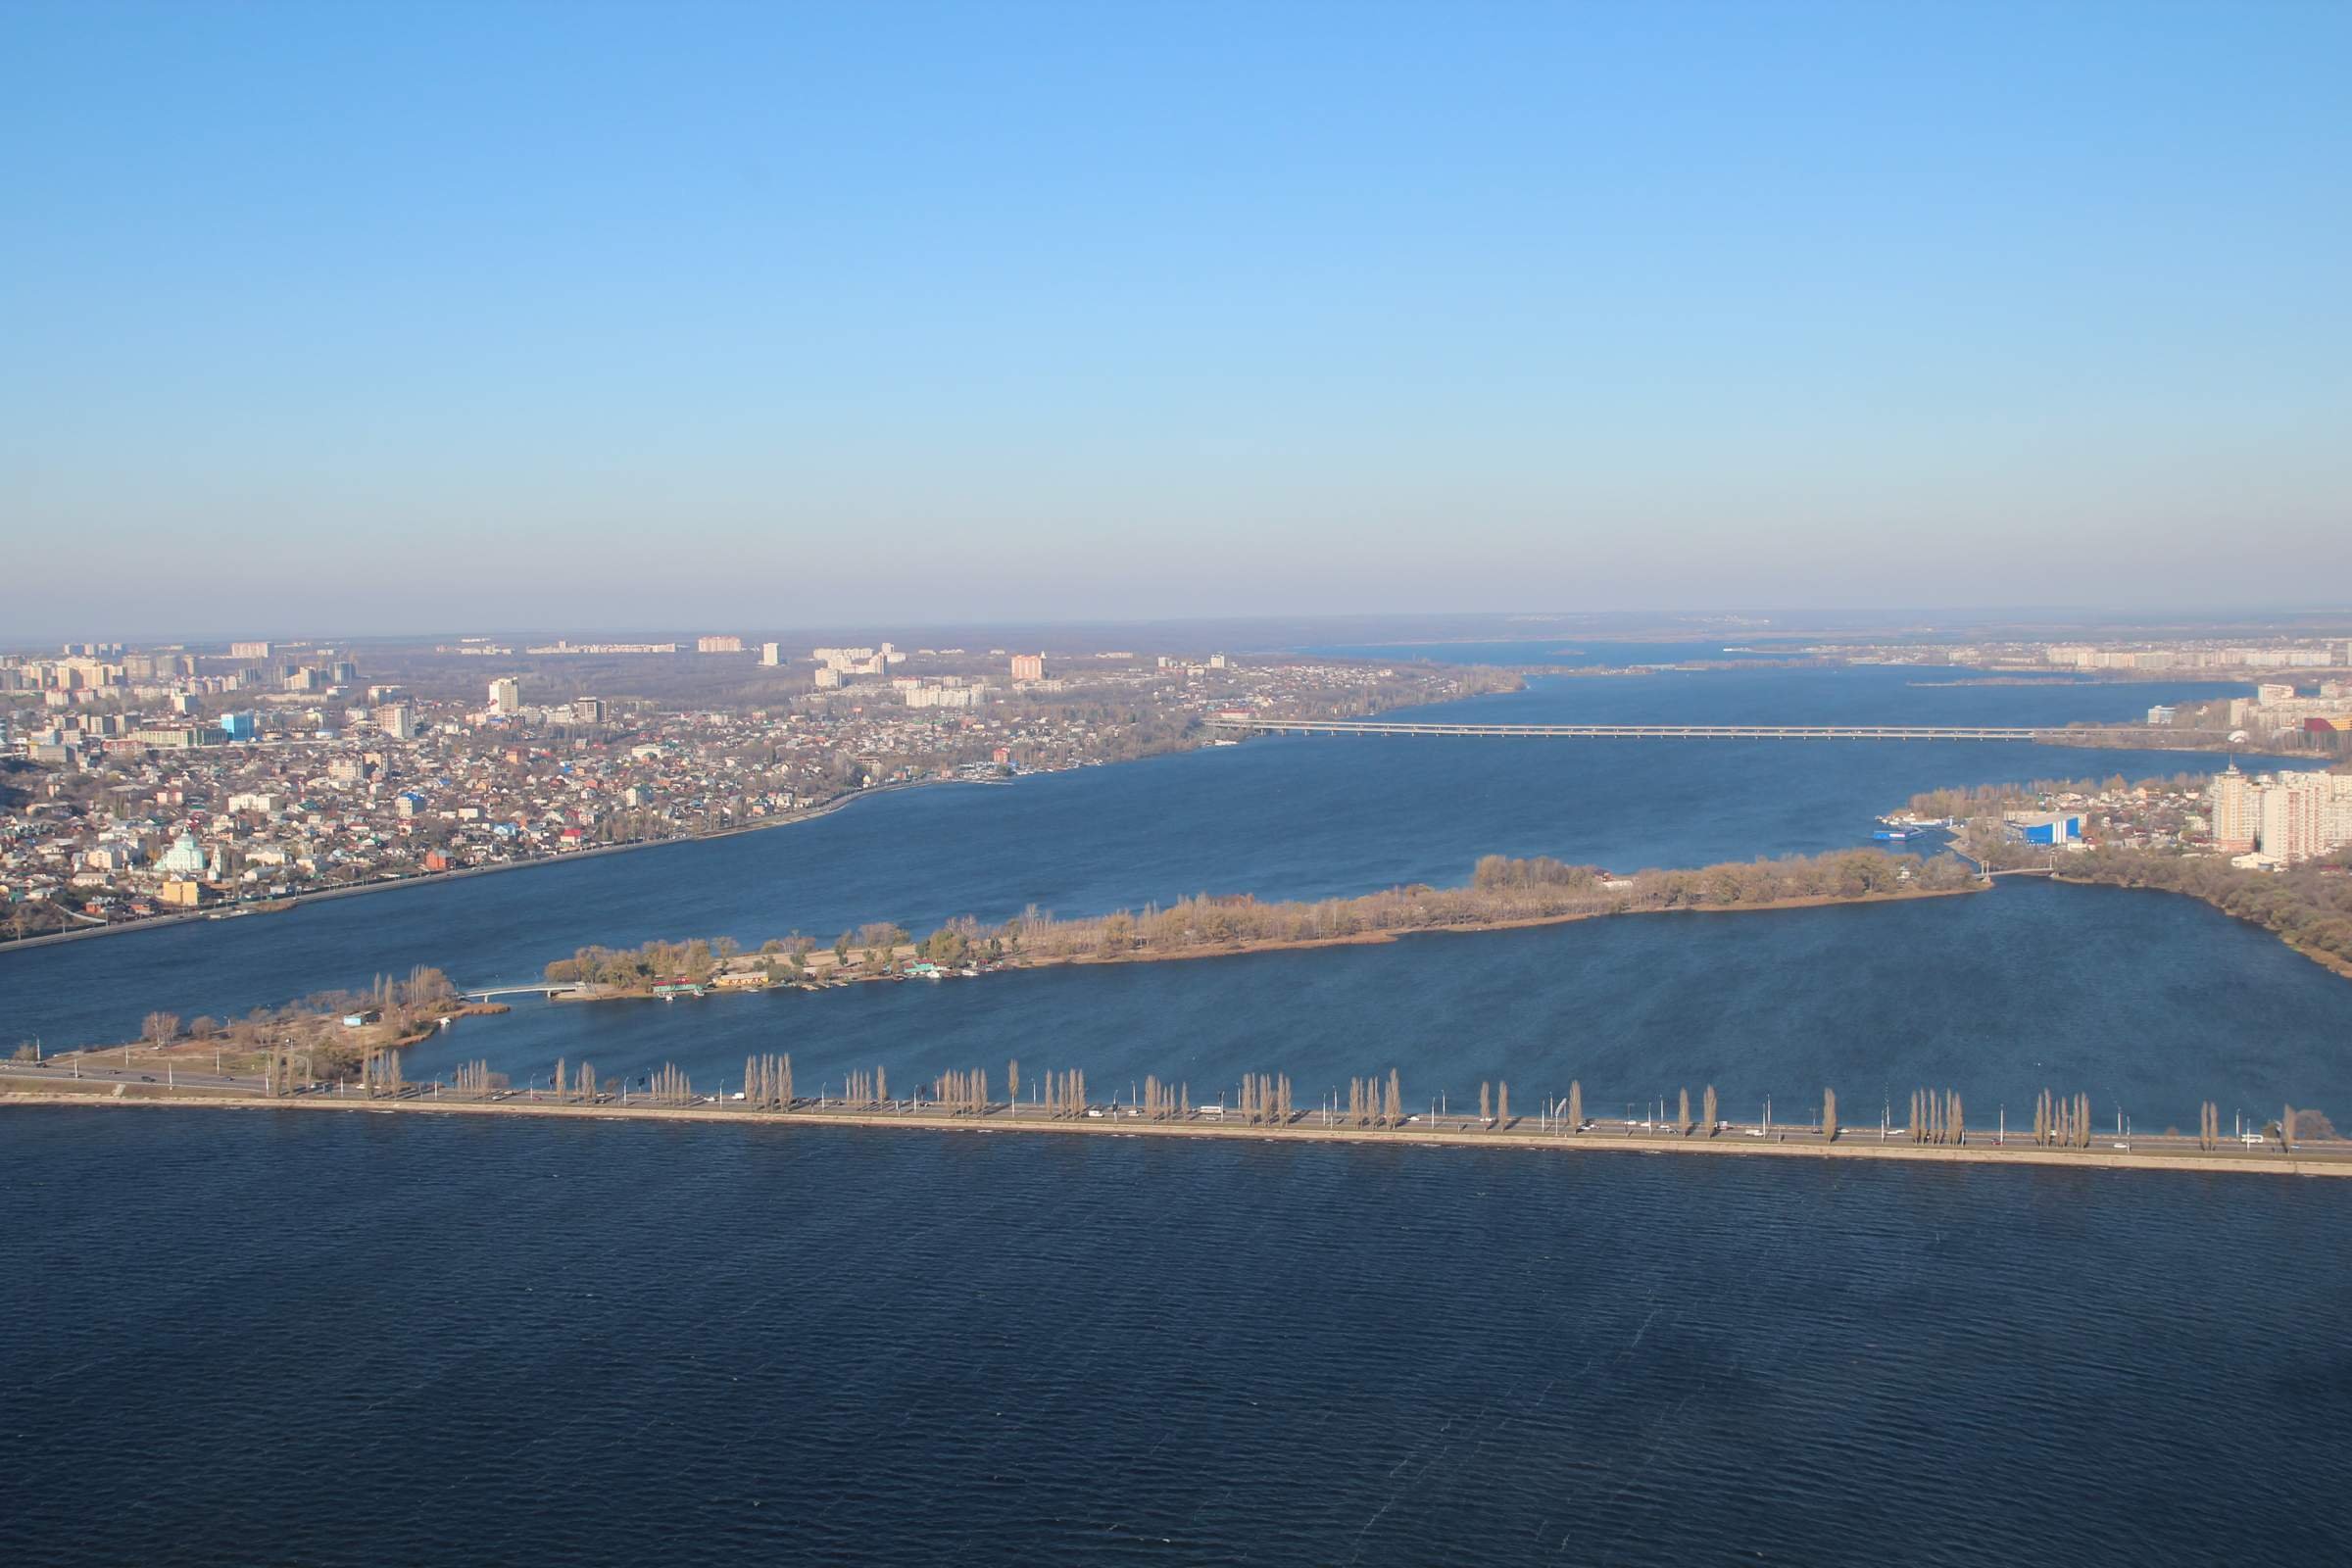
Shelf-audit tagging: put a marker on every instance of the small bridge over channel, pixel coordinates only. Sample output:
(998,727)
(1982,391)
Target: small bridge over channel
(550,989)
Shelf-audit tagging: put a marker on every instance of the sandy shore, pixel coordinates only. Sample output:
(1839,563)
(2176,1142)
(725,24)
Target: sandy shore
(2335,1160)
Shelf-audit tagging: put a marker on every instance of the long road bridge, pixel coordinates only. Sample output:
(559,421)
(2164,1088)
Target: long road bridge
(1702,732)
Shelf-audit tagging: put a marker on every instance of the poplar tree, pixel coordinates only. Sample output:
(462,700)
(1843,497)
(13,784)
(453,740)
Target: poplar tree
(1681,1116)
(1576,1106)
(1829,1115)
(1709,1102)
(1503,1106)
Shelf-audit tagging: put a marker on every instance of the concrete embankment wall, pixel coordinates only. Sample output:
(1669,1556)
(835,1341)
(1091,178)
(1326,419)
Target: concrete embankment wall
(2261,1160)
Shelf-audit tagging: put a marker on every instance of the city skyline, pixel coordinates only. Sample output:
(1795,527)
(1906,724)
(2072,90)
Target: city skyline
(1033,313)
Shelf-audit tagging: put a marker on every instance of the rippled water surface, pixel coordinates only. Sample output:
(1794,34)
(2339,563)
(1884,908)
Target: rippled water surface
(1278,817)
(240,1338)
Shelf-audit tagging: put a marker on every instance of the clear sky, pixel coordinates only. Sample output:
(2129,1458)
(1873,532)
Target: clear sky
(348,318)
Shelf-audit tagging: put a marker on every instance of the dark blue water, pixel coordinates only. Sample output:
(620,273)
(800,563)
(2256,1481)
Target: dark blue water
(2149,1004)
(1282,818)
(238,1338)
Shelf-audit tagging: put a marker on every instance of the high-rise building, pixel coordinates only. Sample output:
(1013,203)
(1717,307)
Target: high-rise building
(397,721)
(2291,816)
(2235,811)
(506,694)
(249,650)
(771,653)
(2295,818)
(718,644)
(1028,667)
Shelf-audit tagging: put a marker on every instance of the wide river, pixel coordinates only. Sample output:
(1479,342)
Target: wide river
(295,1337)
(1280,818)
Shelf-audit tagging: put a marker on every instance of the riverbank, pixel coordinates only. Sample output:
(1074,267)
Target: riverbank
(277,905)
(822,972)
(1504,895)
(2143,1153)
(2300,926)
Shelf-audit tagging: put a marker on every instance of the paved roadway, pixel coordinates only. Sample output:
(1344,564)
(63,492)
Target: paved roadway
(47,1072)
(31,1076)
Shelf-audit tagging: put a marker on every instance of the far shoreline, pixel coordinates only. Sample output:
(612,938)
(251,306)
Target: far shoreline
(287,903)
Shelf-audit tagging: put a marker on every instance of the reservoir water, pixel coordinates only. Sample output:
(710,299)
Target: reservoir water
(2149,1004)
(240,1338)
(251,1336)
(1276,818)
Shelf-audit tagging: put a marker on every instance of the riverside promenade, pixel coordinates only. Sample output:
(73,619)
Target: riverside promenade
(2140,1152)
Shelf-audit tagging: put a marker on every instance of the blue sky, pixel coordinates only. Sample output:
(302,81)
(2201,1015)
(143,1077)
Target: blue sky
(362,318)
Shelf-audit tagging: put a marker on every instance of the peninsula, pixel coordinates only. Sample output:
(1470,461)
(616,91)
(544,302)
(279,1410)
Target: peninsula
(1502,894)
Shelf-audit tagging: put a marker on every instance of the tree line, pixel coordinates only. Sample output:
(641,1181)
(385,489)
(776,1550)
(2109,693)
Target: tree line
(1371,1101)
(1501,890)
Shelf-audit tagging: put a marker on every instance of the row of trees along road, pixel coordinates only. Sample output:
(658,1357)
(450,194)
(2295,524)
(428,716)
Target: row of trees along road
(1937,1116)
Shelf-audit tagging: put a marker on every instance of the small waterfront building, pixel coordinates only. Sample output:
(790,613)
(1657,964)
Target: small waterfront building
(2045,827)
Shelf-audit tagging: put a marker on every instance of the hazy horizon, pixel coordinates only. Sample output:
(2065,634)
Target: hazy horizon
(1265,632)
(364,320)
